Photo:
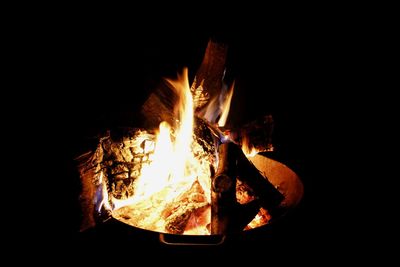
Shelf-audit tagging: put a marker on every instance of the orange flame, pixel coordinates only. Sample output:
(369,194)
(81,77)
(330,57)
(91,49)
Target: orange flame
(249,150)
(173,167)
(225,106)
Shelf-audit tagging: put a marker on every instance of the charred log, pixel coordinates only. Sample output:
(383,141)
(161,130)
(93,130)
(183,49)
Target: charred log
(204,137)
(122,161)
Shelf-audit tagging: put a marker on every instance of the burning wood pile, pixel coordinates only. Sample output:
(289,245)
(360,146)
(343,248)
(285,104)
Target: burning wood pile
(183,173)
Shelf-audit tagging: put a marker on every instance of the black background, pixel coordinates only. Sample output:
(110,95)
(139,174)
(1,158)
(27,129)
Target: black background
(91,74)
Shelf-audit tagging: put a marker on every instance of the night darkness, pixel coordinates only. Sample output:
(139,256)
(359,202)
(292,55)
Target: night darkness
(100,75)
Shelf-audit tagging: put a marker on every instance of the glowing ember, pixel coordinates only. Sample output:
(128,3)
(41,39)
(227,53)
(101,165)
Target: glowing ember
(260,219)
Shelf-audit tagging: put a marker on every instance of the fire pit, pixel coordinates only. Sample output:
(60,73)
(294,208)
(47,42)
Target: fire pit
(183,172)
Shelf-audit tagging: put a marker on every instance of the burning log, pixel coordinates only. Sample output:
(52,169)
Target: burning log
(227,214)
(178,213)
(266,194)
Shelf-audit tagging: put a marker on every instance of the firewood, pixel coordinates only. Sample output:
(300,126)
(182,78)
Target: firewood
(227,215)
(266,194)
(257,134)
(177,214)
(209,76)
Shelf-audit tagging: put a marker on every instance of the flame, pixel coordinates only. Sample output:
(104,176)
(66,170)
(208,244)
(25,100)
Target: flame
(103,194)
(217,110)
(225,106)
(173,169)
(155,175)
(249,150)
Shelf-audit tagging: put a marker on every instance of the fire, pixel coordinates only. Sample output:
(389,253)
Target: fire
(177,165)
(155,175)
(161,181)
(249,150)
